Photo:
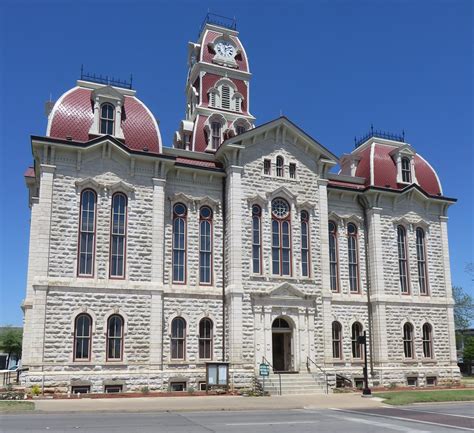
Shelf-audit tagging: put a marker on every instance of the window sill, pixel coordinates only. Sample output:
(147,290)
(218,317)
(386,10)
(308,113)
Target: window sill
(286,178)
(410,361)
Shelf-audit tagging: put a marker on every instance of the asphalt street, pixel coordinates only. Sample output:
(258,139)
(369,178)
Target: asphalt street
(413,419)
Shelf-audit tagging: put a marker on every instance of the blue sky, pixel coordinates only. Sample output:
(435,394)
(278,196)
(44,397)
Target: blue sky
(332,67)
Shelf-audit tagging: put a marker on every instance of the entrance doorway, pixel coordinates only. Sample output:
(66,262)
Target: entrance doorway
(281,345)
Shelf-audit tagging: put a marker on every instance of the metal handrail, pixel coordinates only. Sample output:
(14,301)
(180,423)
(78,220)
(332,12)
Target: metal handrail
(308,359)
(344,378)
(274,372)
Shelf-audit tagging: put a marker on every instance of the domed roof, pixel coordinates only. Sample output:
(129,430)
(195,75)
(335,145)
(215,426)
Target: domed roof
(377,163)
(73,115)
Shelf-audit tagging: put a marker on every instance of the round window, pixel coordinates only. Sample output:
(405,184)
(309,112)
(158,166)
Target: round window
(206,212)
(351,229)
(332,227)
(280,208)
(179,209)
(256,210)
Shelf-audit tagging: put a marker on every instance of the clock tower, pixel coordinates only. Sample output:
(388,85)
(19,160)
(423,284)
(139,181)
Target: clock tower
(217,88)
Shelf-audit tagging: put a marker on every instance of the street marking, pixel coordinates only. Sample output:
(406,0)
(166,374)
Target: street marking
(437,413)
(383,425)
(404,419)
(273,423)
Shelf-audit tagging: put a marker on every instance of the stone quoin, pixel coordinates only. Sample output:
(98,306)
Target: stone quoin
(238,244)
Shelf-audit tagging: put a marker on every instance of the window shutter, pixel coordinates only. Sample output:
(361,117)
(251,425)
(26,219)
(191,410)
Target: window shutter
(225,97)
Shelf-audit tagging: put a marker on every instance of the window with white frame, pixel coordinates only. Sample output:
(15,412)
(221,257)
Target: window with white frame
(333,257)
(408,348)
(427,331)
(82,337)
(205,245)
(87,226)
(118,235)
(305,244)
(336,340)
(256,239)
(279,166)
(115,338)
(402,259)
(225,97)
(357,348)
(179,243)
(107,115)
(267,167)
(178,338)
(215,134)
(292,170)
(281,237)
(421,261)
(353,257)
(406,170)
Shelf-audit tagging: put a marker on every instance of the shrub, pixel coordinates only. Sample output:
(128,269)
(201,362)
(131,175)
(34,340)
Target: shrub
(145,389)
(191,390)
(392,385)
(35,390)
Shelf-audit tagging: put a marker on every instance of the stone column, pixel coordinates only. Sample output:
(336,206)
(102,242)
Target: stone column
(377,286)
(34,353)
(325,351)
(157,270)
(443,221)
(234,289)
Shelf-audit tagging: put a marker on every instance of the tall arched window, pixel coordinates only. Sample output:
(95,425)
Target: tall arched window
(82,337)
(215,134)
(427,340)
(406,170)
(115,337)
(408,340)
(205,338)
(333,257)
(107,114)
(87,233)
(178,338)
(256,239)
(421,261)
(353,257)
(205,245)
(281,237)
(279,166)
(357,349)
(118,235)
(179,243)
(402,259)
(304,243)
(336,340)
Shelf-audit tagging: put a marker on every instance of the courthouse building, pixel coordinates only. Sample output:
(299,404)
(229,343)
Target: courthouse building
(239,242)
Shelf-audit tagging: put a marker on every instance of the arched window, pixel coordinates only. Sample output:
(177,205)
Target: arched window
(87,233)
(212,98)
(240,129)
(281,237)
(406,170)
(205,339)
(118,235)
(333,257)
(215,134)
(427,340)
(353,257)
(114,337)
(107,114)
(421,261)
(402,259)
(336,340)
(178,338)
(279,166)
(82,337)
(205,245)
(408,340)
(357,349)
(179,243)
(304,243)
(256,239)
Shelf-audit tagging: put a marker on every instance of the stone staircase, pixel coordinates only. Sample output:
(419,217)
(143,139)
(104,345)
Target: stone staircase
(295,383)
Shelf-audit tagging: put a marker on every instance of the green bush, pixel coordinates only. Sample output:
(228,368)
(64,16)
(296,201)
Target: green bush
(35,390)
(145,390)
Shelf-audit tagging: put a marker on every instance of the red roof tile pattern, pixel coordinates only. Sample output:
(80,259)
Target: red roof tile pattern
(73,116)
(198,162)
(29,172)
(385,170)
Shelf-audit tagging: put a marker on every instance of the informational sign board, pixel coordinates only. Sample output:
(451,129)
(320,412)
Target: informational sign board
(264,369)
(217,375)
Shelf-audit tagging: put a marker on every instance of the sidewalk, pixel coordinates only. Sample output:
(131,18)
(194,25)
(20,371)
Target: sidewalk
(211,403)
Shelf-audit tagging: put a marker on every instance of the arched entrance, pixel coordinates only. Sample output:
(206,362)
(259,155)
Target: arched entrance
(282,345)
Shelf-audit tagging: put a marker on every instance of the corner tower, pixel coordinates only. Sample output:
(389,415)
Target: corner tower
(217,88)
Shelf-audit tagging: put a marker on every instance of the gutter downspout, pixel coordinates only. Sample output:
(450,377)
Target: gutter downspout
(368,282)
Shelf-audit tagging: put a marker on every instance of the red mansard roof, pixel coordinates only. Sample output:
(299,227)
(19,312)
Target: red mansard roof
(377,157)
(72,116)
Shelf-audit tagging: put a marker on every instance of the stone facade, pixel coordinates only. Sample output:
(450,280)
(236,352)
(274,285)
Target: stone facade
(244,306)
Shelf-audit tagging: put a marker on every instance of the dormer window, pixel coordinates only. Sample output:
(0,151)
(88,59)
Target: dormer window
(215,134)
(406,170)
(107,115)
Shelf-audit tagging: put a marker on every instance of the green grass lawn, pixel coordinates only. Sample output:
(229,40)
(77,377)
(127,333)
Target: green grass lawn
(408,397)
(15,406)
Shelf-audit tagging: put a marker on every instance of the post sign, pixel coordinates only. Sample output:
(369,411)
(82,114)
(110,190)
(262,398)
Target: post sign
(264,369)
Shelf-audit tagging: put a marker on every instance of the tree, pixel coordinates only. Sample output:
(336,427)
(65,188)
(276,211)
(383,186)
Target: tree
(463,308)
(468,354)
(11,342)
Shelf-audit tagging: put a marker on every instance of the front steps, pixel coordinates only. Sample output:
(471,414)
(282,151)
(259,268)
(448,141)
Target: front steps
(294,383)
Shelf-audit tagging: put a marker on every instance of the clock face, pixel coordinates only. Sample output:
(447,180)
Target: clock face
(225,49)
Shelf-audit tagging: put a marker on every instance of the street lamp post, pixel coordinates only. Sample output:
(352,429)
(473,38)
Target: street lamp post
(363,340)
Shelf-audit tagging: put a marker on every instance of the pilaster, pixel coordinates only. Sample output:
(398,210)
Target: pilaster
(158,231)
